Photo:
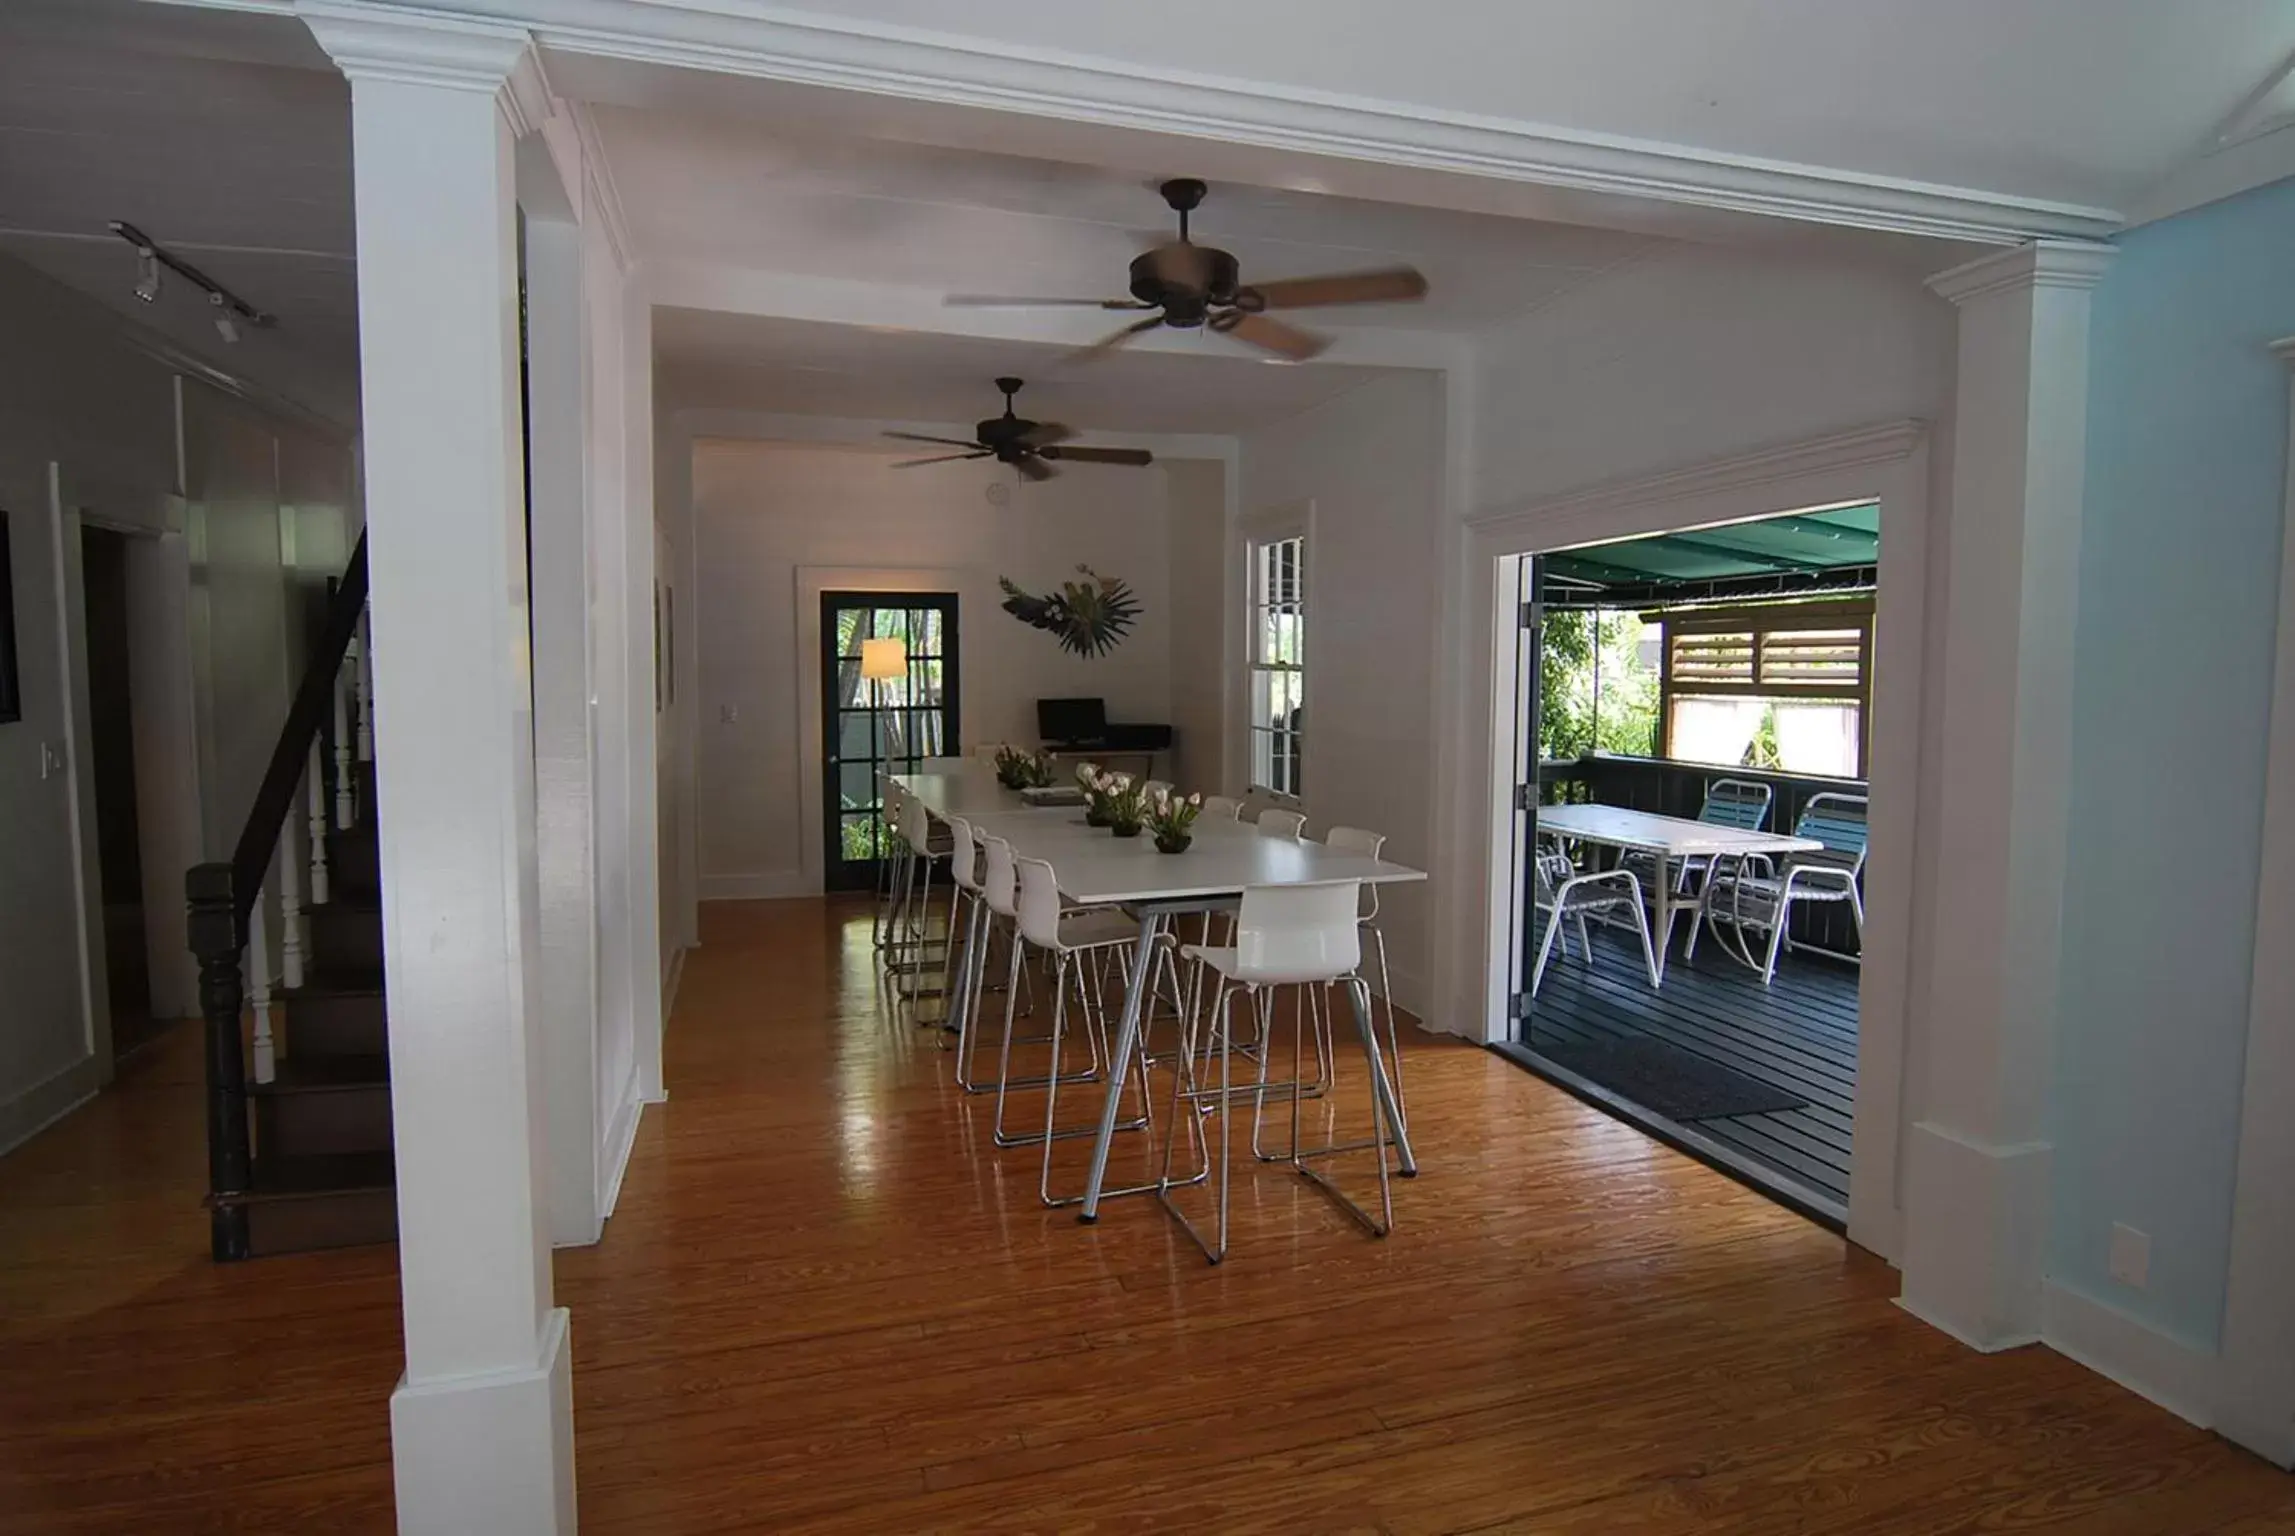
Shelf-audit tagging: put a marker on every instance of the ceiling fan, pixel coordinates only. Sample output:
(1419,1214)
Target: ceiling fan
(1031,447)
(1191,286)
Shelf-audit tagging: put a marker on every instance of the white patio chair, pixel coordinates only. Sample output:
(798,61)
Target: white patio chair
(1739,803)
(1754,895)
(1565,895)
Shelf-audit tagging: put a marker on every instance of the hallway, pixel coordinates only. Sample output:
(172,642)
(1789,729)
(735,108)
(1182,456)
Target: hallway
(826,1305)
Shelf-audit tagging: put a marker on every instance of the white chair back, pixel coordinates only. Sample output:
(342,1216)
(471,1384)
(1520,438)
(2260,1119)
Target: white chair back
(915,825)
(1284,824)
(1368,844)
(1220,808)
(963,853)
(1039,903)
(998,883)
(1287,934)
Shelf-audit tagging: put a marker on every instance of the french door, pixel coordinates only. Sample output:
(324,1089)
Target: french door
(875,726)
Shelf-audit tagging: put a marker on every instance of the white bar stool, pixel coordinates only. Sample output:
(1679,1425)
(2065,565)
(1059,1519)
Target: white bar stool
(1221,808)
(1285,824)
(1000,890)
(1073,940)
(1292,935)
(1368,844)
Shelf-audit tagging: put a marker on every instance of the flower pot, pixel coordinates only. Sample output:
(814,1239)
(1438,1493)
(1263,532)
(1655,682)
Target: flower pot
(1095,817)
(1174,842)
(1127,829)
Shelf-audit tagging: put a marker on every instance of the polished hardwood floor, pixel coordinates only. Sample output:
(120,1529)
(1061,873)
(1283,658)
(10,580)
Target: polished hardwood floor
(828,1305)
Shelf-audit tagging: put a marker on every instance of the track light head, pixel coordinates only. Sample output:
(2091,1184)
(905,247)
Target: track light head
(147,275)
(225,326)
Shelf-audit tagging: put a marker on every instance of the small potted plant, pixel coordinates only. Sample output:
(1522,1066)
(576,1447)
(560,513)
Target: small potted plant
(1127,804)
(1095,802)
(1172,818)
(1012,767)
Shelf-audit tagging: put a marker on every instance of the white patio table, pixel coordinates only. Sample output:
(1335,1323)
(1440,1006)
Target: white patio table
(1668,840)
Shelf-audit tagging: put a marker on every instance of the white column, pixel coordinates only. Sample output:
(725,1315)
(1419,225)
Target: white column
(482,1422)
(1977,1155)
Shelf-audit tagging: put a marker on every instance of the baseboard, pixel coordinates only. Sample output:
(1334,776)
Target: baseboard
(492,1451)
(2138,1356)
(48,1101)
(764,885)
(1952,1331)
(621,1136)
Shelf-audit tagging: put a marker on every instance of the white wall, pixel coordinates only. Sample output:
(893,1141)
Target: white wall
(1198,550)
(96,410)
(1371,464)
(766,514)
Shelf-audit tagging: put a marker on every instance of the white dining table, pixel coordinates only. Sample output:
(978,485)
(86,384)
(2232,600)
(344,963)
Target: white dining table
(1668,840)
(1095,868)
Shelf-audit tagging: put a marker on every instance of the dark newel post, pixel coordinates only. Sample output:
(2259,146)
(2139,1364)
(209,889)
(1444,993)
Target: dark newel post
(216,942)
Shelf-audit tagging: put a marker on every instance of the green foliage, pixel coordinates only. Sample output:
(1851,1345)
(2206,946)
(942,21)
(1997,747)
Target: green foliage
(1570,723)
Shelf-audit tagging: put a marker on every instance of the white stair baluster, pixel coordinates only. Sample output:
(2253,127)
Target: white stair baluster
(290,905)
(346,799)
(318,828)
(259,990)
(366,687)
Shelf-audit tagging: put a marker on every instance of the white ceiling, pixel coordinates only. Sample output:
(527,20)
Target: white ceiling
(216,136)
(2073,101)
(762,364)
(961,221)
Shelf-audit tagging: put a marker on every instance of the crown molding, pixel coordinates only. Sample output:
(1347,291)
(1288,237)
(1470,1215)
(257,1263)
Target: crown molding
(2040,264)
(372,41)
(1883,443)
(814,49)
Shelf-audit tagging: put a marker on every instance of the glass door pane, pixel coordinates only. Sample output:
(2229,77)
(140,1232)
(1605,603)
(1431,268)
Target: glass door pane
(872,727)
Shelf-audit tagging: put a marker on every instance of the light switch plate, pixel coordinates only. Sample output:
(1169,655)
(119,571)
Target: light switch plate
(2131,1256)
(51,760)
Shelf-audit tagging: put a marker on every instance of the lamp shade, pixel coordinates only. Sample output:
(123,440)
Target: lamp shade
(883,660)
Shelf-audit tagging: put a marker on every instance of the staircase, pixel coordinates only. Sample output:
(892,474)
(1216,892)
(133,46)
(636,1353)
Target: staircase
(299,1118)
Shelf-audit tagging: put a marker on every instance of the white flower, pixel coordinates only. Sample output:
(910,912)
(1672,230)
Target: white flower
(1120,782)
(1195,799)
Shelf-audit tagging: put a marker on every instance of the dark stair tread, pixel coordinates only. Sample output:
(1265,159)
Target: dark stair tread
(314,1175)
(325,1074)
(339,981)
(363,903)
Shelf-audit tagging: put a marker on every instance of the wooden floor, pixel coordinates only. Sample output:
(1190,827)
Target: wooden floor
(826,1305)
(1799,1033)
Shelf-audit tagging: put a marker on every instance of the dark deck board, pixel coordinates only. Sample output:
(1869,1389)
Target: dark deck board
(1800,1034)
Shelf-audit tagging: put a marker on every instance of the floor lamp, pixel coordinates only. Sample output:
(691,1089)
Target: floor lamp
(881,662)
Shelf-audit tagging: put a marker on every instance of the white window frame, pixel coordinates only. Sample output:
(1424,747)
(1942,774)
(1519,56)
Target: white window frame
(1259,535)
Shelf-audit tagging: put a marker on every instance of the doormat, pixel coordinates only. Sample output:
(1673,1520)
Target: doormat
(1680,1085)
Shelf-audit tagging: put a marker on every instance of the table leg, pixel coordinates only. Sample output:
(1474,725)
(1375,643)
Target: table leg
(1127,1035)
(1665,911)
(1382,1090)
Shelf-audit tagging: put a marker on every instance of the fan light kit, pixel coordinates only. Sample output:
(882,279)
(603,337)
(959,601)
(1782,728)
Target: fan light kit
(1031,447)
(1193,287)
(230,311)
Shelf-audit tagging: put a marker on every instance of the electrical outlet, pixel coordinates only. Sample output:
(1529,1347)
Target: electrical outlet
(51,760)
(2131,1257)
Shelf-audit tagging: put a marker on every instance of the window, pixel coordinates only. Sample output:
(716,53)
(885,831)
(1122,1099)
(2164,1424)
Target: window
(1278,678)
(1784,687)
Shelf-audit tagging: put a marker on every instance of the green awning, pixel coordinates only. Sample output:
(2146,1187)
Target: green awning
(1829,551)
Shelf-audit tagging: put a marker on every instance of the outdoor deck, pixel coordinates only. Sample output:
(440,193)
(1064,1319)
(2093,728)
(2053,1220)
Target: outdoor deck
(1798,1035)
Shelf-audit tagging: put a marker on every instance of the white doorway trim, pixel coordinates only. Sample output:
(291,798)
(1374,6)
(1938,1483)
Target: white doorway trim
(1887,463)
(2257,1402)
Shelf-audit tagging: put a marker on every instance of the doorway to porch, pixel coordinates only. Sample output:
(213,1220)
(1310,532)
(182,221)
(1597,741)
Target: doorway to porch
(889,700)
(1698,709)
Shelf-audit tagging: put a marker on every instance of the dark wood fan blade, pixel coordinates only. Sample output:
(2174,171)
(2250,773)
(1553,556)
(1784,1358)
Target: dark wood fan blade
(919,437)
(1389,285)
(1014,301)
(945,458)
(1073,453)
(1032,467)
(1274,335)
(1046,433)
(1107,344)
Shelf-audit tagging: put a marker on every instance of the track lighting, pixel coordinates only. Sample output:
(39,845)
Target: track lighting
(230,311)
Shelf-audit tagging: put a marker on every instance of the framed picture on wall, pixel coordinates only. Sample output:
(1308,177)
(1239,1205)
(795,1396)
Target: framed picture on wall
(11,701)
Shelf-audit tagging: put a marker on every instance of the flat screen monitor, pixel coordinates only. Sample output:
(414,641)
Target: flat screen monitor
(1072,720)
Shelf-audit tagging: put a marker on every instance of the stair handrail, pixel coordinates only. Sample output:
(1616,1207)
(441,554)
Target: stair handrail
(222,896)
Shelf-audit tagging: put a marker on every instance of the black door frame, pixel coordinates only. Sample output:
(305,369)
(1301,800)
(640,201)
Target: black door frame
(839,872)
